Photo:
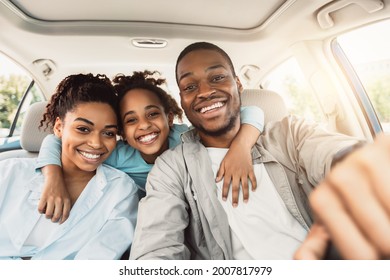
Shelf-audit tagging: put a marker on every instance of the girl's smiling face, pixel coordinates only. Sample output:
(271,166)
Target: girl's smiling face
(146,125)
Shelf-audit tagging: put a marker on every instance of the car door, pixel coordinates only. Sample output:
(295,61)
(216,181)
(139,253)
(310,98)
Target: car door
(17,92)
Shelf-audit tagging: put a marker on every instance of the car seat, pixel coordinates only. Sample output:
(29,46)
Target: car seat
(31,136)
(269,101)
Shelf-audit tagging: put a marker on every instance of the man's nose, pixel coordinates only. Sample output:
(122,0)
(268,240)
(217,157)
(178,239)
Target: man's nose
(205,90)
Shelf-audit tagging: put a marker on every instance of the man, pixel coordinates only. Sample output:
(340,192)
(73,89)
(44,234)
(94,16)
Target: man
(183,215)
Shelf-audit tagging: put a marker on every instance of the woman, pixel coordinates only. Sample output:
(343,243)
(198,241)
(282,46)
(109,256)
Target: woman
(101,225)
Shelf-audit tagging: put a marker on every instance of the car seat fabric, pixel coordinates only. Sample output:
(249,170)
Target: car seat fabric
(31,136)
(269,101)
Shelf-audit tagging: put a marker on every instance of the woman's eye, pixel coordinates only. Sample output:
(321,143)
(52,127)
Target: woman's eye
(83,129)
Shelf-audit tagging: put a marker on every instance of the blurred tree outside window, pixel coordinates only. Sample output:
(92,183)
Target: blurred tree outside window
(367,49)
(288,81)
(13,84)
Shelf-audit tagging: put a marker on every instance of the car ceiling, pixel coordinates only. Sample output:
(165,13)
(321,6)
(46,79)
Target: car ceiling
(105,36)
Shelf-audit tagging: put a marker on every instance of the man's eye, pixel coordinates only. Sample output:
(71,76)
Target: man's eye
(218,78)
(189,88)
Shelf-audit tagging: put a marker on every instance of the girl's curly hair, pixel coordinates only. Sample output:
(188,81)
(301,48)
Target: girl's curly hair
(146,80)
(76,89)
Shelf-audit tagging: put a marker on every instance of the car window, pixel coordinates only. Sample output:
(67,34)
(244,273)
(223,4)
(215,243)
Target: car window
(367,51)
(17,92)
(288,80)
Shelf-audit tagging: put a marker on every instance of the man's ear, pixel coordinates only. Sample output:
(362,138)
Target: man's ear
(57,129)
(239,85)
(170,119)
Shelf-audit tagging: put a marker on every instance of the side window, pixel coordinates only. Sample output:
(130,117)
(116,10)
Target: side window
(288,80)
(17,92)
(366,51)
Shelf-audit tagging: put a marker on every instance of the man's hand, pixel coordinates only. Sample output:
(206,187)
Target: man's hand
(352,205)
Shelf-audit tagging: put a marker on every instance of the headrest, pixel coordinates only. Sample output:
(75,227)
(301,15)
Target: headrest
(269,101)
(31,136)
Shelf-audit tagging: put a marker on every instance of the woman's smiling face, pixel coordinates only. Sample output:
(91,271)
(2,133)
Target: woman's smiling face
(88,135)
(146,125)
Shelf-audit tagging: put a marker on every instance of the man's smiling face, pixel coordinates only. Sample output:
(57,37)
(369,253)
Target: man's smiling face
(209,92)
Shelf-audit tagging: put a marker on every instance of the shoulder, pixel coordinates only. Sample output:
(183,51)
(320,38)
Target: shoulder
(179,127)
(117,177)
(23,163)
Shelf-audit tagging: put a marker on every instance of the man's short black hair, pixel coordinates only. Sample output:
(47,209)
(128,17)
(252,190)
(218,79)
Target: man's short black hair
(204,46)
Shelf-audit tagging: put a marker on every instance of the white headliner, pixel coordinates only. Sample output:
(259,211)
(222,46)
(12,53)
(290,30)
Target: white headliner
(219,13)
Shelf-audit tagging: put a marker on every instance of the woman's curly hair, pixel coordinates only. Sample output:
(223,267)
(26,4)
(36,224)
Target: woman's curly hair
(146,80)
(76,89)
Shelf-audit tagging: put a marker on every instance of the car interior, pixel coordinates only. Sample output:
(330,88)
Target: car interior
(325,60)
(293,48)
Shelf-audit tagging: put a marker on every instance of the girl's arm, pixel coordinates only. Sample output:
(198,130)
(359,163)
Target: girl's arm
(237,165)
(55,201)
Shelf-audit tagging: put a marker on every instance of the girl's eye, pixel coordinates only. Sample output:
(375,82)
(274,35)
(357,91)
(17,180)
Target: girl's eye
(109,134)
(130,121)
(83,129)
(154,114)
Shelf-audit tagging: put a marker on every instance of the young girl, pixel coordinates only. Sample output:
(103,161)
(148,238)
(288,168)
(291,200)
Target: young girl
(147,113)
(82,113)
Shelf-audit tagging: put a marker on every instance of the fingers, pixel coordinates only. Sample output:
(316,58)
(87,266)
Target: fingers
(344,233)
(315,245)
(237,182)
(49,210)
(252,177)
(225,188)
(220,173)
(245,189)
(235,191)
(65,211)
(42,205)
(57,211)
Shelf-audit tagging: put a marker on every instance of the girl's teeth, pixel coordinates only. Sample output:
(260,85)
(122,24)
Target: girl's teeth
(147,138)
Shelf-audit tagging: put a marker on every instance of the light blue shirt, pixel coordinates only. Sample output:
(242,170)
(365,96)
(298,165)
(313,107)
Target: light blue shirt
(128,159)
(100,225)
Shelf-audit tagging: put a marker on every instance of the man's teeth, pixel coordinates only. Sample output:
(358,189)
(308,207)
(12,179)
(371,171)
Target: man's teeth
(147,138)
(215,105)
(90,156)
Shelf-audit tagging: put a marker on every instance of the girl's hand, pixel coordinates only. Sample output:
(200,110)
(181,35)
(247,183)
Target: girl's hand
(55,201)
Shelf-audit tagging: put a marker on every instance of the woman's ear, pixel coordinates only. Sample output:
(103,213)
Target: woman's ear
(170,116)
(57,129)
